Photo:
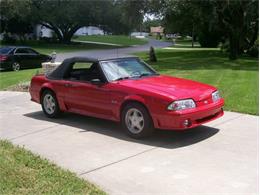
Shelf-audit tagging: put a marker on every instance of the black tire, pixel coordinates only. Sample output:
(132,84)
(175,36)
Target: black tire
(16,66)
(56,110)
(148,127)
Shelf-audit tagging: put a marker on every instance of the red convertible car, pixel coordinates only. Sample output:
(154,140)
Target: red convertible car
(126,90)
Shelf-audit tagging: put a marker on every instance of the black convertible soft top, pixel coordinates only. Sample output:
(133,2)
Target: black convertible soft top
(61,70)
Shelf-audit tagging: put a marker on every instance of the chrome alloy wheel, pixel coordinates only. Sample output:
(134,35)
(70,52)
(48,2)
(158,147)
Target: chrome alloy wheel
(49,104)
(16,66)
(134,120)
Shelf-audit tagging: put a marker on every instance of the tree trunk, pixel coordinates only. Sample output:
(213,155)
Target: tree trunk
(64,35)
(68,34)
(58,33)
(234,46)
(55,30)
(192,34)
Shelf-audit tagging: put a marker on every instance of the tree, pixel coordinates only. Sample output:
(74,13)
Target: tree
(18,27)
(2,25)
(209,31)
(65,17)
(181,16)
(214,21)
(240,20)
(115,23)
(16,17)
(133,12)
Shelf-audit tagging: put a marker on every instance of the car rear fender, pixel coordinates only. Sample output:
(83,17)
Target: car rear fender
(49,86)
(46,86)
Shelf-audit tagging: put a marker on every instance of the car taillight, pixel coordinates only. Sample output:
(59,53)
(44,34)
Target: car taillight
(3,58)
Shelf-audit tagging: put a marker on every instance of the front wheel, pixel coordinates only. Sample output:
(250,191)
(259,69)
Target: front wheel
(137,121)
(50,104)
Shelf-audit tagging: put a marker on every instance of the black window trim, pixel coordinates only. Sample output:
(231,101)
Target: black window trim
(82,81)
(21,53)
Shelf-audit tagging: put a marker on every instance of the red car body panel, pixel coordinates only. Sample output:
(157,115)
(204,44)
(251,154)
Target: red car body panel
(155,93)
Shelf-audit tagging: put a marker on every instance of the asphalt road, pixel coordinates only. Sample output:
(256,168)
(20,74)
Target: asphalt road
(220,158)
(112,53)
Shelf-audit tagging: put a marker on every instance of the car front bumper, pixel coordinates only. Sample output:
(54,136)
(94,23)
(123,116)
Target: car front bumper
(190,118)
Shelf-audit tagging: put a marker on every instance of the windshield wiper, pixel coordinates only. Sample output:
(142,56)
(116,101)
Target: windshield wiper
(122,78)
(148,74)
(141,75)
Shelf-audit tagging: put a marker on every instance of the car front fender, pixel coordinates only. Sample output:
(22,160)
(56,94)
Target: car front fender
(132,98)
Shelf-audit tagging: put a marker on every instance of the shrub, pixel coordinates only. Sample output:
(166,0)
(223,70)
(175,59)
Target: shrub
(152,56)
(8,39)
(254,51)
(209,39)
(209,36)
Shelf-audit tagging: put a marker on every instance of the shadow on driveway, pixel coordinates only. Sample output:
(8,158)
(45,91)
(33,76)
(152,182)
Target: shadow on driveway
(161,138)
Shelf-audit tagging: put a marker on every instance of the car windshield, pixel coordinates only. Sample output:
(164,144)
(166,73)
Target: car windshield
(125,69)
(5,50)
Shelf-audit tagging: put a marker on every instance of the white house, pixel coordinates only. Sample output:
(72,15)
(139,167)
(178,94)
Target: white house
(89,30)
(139,34)
(42,31)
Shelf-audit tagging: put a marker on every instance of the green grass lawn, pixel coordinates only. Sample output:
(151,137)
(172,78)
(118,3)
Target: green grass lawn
(22,172)
(10,78)
(48,48)
(237,80)
(114,39)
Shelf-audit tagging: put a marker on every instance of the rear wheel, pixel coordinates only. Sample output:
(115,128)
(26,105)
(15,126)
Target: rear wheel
(50,104)
(137,121)
(16,66)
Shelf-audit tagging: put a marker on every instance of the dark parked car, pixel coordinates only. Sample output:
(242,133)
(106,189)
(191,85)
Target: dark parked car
(16,58)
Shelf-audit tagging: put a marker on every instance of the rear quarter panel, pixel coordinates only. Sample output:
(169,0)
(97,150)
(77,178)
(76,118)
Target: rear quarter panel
(36,86)
(40,83)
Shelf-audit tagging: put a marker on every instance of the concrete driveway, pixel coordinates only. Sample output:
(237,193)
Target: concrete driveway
(219,158)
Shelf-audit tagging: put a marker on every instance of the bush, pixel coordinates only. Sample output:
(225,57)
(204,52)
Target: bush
(7,39)
(48,39)
(152,56)
(254,51)
(209,37)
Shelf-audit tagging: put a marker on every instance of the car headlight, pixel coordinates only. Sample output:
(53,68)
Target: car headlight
(215,96)
(182,104)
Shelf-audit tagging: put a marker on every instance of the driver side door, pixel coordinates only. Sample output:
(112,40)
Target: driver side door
(84,97)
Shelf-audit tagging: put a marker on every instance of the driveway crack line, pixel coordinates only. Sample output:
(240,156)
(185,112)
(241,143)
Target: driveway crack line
(34,132)
(104,166)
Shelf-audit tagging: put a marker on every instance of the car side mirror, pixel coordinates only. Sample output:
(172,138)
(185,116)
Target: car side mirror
(96,82)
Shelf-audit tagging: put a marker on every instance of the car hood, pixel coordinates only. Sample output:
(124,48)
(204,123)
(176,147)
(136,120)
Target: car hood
(175,88)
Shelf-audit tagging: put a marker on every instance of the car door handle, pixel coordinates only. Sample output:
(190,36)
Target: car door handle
(68,85)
